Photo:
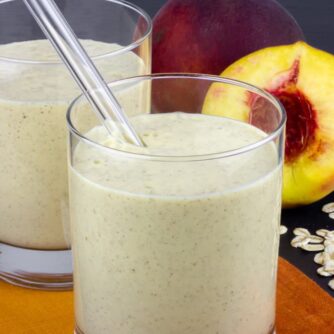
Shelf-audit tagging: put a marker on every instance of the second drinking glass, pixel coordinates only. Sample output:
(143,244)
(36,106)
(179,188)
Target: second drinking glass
(35,90)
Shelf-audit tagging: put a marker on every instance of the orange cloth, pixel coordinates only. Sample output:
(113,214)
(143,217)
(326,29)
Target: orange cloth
(25,311)
(302,308)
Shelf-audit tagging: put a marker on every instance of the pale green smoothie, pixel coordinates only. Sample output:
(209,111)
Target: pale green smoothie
(34,98)
(176,246)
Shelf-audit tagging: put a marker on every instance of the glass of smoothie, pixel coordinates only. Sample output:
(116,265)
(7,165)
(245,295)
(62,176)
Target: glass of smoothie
(35,91)
(180,236)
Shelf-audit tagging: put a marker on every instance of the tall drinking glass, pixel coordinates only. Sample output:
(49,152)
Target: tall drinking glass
(35,91)
(180,236)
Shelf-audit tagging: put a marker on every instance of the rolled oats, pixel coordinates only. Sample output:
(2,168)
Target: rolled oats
(328,208)
(300,241)
(322,242)
(329,266)
(301,231)
(330,236)
(313,247)
(283,230)
(322,232)
(319,258)
(329,249)
(321,271)
(331,284)
(314,239)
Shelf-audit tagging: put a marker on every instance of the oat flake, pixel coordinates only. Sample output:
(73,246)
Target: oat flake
(301,231)
(319,258)
(321,271)
(313,248)
(328,208)
(300,241)
(283,229)
(314,239)
(331,284)
(322,233)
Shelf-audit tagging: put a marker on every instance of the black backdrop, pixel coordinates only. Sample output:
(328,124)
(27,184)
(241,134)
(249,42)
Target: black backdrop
(316,17)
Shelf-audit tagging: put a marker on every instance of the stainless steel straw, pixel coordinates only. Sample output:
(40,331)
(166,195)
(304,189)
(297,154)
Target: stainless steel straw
(92,84)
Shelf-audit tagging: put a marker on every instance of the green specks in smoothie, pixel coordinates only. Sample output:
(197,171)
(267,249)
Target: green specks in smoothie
(168,232)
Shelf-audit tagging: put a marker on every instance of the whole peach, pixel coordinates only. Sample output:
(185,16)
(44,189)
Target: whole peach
(206,36)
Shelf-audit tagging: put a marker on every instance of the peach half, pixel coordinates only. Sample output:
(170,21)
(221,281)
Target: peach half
(302,78)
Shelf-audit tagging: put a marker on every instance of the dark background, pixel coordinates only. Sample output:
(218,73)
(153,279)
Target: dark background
(316,18)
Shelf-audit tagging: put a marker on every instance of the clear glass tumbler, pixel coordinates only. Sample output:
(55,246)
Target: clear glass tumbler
(180,236)
(35,91)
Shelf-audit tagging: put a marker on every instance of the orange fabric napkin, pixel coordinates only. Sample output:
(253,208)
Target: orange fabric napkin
(302,307)
(25,311)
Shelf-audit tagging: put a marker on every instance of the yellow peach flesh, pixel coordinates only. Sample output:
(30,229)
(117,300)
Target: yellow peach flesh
(309,176)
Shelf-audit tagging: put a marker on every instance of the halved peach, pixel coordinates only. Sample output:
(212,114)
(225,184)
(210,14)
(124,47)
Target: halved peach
(302,78)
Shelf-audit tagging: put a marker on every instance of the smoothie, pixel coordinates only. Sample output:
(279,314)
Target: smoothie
(182,246)
(34,98)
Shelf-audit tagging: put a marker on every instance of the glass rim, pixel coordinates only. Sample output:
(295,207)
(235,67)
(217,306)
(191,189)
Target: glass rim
(186,158)
(142,13)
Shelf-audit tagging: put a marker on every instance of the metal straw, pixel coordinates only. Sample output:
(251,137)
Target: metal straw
(92,84)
